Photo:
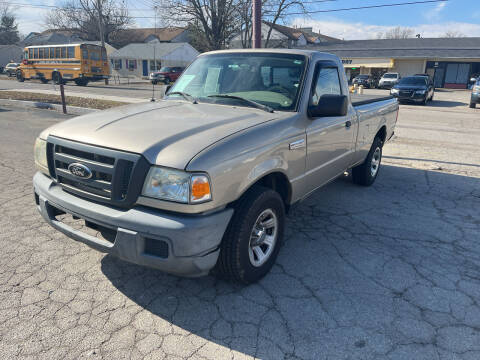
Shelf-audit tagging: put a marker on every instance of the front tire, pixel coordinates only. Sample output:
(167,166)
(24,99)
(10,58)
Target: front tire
(366,173)
(253,238)
(472,105)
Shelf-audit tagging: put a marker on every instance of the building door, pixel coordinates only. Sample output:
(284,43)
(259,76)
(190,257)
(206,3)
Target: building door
(438,78)
(145,67)
(457,76)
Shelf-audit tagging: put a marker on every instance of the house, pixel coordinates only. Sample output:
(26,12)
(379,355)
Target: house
(10,53)
(52,37)
(124,37)
(140,59)
(284,37)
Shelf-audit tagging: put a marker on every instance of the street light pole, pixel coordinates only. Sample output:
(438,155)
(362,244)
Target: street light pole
(257,23)
(101,30)
(154,54)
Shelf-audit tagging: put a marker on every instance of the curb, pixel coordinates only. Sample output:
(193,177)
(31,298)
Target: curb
(71,110)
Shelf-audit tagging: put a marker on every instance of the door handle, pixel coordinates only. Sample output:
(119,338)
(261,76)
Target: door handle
(348,123)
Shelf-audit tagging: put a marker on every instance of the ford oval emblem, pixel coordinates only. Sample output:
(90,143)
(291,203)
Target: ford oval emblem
(80,170)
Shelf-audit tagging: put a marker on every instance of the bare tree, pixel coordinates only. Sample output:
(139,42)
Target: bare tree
(85,17)
(218,20)
(397,33)
(277,10)
(453,34)
(8,25)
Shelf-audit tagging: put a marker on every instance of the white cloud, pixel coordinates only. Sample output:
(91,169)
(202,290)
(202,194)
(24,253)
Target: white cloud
(359,30)
(435,13)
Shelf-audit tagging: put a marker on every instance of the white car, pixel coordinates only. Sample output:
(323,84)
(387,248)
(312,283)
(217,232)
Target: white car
(388,80)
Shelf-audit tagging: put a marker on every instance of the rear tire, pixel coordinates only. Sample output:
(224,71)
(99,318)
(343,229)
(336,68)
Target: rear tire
(472,105)
(366,173)
(81,82)
(20,76)
(253,238)
(44,81)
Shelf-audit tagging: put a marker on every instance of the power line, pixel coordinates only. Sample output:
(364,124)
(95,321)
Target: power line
(366,7)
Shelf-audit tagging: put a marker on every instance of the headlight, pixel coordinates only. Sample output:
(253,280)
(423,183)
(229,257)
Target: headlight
(393,91)
(177,185)
(421,92)
(40,154)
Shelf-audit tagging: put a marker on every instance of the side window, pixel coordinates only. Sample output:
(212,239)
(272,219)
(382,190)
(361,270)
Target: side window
(35,53)
(70,52)
(57,53)
(85,54)
(30,53)
(327,82)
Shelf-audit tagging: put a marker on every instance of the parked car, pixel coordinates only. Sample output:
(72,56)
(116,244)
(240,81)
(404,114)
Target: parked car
(388,80)
(475,96)
(11,69)
(417,89)
(366,80)
(202,179)
(166,74)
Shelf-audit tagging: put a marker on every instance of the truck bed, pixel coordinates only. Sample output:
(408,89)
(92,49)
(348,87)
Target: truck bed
(361,99)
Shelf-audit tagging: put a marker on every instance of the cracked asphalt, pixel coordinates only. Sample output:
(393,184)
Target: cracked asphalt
(386,272)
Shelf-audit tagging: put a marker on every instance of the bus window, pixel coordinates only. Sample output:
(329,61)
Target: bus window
(30,53)
(57,53)
(25,55)
(35,53)
(104,55)
(52,53)
(70,52)
(40,53)
(64,52)
(85,54)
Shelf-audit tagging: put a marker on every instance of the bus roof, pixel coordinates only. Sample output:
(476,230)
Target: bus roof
(62,45)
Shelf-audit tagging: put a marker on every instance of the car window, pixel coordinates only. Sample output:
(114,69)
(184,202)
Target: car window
(327,82)
(390,76)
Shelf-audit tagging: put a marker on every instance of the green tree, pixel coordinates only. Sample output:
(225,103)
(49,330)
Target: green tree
(8,27)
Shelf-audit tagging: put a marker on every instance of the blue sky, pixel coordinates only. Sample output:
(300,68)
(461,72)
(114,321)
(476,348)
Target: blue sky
(430,20)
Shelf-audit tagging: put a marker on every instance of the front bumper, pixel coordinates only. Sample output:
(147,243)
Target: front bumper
(193,241)
(417,98)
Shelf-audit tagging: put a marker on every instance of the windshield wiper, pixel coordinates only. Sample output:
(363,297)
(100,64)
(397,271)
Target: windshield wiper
(185,95)
(247,101)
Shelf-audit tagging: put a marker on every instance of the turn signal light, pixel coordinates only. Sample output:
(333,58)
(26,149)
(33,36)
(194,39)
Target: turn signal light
(200,190)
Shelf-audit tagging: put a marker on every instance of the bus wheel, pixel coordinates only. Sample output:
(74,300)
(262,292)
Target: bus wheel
(20,77)
(43,80)
(57,78)
(81,82)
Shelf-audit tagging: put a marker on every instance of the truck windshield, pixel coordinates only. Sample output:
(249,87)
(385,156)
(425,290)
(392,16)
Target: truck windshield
(270,79)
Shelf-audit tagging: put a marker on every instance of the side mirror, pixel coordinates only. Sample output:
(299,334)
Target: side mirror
(329,105)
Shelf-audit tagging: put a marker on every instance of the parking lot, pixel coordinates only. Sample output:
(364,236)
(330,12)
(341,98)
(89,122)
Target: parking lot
(386,272)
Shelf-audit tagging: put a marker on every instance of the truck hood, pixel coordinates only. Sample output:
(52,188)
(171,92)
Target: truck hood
(168,133)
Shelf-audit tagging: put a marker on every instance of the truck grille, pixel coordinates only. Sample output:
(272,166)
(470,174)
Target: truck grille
(110,172)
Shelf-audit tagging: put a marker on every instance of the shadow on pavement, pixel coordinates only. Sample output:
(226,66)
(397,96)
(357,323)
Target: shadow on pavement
(351,263)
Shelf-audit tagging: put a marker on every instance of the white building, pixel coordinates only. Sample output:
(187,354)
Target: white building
(140,59)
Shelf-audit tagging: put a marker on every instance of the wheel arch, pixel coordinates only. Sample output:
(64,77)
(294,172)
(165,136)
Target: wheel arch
(382,133)
(275,180)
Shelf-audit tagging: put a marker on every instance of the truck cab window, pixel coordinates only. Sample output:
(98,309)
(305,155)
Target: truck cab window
(327,82)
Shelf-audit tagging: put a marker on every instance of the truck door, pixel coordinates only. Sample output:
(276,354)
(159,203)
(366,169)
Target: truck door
(330,140)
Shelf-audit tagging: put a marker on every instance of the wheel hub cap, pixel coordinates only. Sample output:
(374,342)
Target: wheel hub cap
(375,164)
(263,238)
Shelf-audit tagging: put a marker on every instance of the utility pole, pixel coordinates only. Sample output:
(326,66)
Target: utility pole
(257,23)
(154,55)
(101,29)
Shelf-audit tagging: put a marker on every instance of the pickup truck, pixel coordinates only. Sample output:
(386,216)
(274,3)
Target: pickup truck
(200,182)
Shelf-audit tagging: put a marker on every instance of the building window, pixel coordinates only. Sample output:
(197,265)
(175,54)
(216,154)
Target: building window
(131,64)
(157,67)
(117,64)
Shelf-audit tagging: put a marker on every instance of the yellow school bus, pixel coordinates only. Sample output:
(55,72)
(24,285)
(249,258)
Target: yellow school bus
(80,63)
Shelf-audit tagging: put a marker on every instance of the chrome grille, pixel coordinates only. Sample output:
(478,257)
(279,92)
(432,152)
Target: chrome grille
(111,171)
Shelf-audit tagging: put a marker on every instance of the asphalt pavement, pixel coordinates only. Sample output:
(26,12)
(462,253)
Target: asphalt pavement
(386,272)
